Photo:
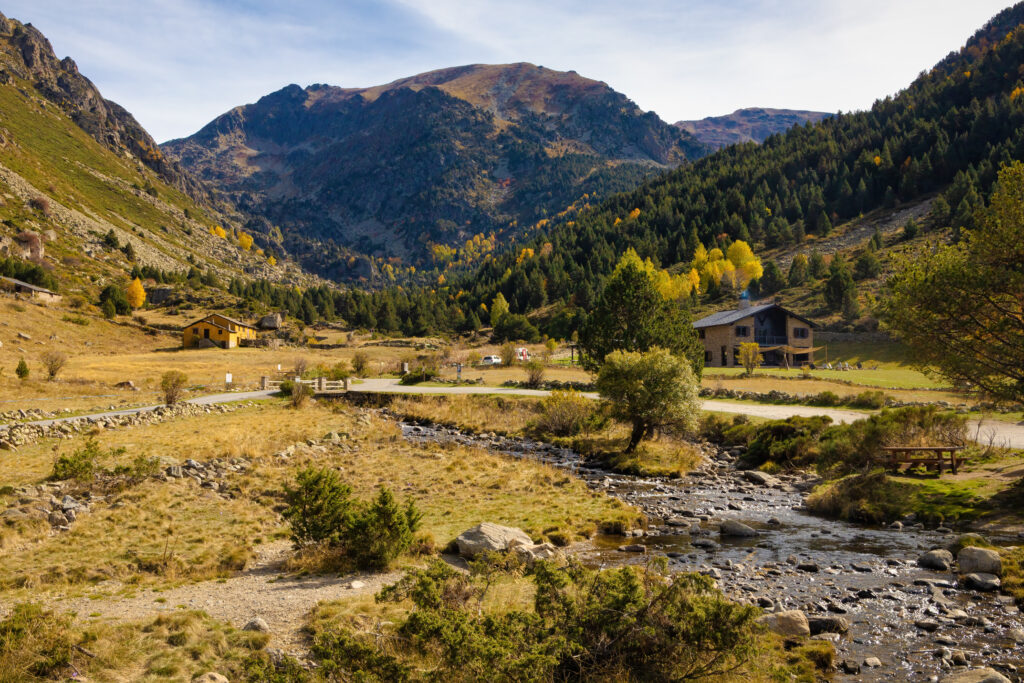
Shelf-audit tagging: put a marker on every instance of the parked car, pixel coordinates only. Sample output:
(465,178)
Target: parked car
(491,360)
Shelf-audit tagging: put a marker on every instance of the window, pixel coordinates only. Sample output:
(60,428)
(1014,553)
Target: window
(700,334)
(708,356)
(742,331)
(800,332)
(206,332)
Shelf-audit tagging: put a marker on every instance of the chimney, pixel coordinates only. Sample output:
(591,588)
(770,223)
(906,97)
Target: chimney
(744,301)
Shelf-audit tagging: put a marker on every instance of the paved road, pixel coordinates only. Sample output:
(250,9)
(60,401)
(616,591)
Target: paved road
(995,432)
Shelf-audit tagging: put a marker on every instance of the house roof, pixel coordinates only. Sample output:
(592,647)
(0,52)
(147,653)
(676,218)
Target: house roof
(26,285)
(729,317)
(237,322)
(208,321)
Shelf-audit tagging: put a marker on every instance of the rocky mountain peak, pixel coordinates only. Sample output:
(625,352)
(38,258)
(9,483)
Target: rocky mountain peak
(26,54)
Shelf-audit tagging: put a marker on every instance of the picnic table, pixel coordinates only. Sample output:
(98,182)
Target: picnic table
(929,456)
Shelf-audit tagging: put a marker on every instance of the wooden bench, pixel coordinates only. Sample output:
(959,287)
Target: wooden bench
(929,456)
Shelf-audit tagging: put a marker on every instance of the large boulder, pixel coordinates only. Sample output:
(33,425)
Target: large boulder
(789,623)
(939,560)
(731,527)
(487,537)
(980,582)
(974,560)
(983,675)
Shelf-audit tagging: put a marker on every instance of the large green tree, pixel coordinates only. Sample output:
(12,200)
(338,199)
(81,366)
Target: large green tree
(961,307)
(650,390)
(632,314)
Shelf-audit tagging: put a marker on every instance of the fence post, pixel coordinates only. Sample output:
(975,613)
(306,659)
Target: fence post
(348,383)
(264,380)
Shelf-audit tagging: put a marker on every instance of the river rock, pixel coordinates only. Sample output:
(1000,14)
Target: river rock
(789,623)
(731,527)
(828,625)
(872,662)
(486,537)
(760,478)
(939,560)
(1016,635)
(983,675)
(542,551)
(980,582)
(973,560)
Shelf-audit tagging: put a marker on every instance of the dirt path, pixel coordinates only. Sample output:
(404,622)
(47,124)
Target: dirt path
(263,590)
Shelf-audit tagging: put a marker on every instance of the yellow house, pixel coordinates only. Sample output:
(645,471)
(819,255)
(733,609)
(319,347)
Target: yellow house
(216,330)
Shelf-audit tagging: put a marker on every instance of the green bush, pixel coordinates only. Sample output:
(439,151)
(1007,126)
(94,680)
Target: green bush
(629,623)
(286,387)
(826,398)
(421,374)
(80,465)
(381,532)
(84,464)
(788,443)
(321,512)
(22,370)
(564,413)
(868,399)
(319,507)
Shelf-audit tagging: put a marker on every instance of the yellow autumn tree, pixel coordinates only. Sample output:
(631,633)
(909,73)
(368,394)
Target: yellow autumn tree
(245,241)
(670,286)
(271,261)
(218,231)
(136,294)
(747,265)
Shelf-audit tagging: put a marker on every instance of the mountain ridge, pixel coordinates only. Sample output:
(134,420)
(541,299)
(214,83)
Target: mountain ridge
(751,124)
(476,150)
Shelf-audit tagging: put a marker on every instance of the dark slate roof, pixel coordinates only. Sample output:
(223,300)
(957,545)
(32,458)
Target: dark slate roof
(729,317)
(26,285)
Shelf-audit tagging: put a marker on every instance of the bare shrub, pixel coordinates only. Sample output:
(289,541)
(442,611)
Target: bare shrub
(359,363)
(564,413)
(54,362)
(301,364)
(534,373)
(507,353)
(40,204)
(172,383)
(300,395)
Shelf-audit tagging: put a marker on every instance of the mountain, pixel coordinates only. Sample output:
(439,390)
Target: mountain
(28,56)
(412,170)
(941,140)
(747,125)
(86,196)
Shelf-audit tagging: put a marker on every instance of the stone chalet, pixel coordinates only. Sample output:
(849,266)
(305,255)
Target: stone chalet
(786,339)
(24,289)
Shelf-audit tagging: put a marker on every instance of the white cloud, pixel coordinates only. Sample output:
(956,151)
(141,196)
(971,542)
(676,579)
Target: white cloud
(176,64)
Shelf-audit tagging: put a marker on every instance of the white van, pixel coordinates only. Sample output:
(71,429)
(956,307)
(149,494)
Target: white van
(491,360)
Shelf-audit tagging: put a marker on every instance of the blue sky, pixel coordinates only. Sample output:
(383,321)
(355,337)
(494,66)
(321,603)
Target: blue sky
(176,64)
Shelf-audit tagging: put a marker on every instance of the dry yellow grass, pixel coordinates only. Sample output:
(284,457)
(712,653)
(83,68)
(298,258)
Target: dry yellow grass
(170,530)
(499,414)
